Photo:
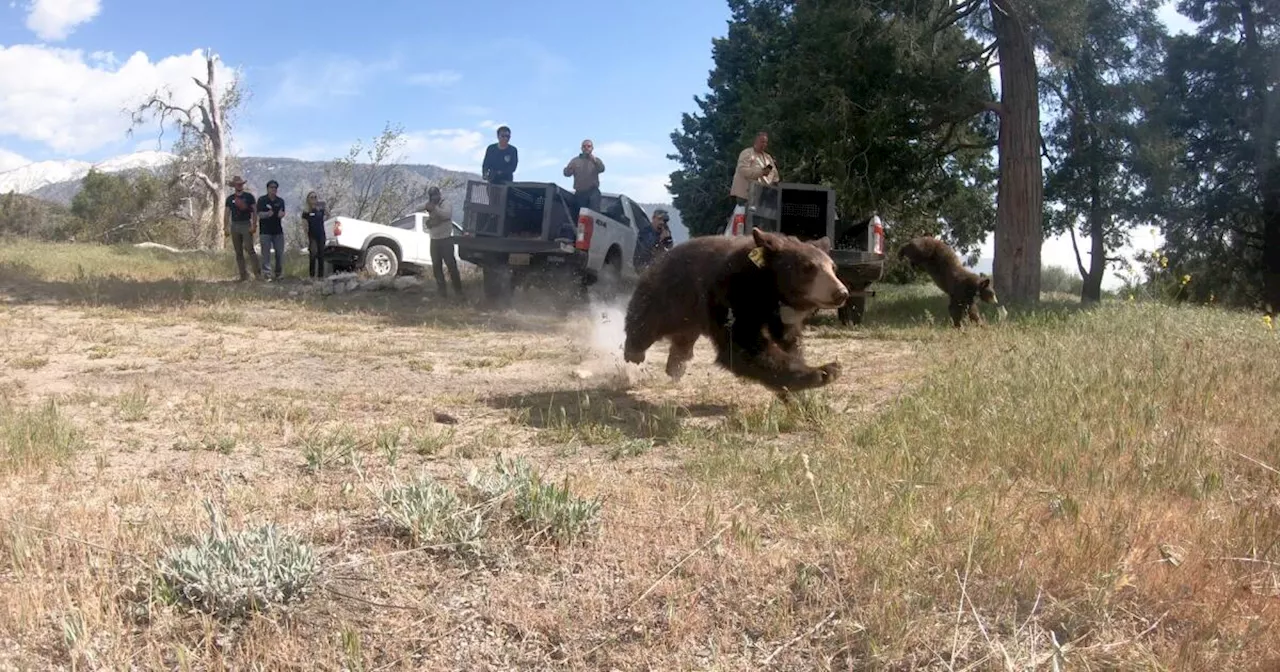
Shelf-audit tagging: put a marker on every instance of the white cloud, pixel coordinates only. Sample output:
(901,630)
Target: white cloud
(10,160)
(645,188)
(313,82)
(621,150)
(489,124)
(439,78)
(54,20)
(451,148)
(73,102)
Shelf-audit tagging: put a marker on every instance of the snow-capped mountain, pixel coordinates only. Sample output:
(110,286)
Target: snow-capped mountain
(28,178)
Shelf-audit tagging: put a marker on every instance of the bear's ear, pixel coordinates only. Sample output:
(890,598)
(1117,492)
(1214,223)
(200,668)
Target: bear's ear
(765,239)
(823,243)
(984,282)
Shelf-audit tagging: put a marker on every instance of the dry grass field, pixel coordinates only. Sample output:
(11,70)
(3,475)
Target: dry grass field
(197,474)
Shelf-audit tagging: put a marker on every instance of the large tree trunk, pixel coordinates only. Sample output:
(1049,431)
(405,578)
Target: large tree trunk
(214,133)
(1020,197)
(1091,292)
(1271,239)
(1265,167)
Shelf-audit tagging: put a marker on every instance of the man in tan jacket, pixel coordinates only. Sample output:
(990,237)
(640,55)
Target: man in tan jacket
(585,169)
(755,164)
(440,226)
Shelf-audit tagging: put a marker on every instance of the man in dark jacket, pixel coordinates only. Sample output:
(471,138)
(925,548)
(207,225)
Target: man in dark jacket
(500,159)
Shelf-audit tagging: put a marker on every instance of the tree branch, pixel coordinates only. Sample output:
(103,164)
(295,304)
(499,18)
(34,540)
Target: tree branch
(203,180)
(1084,275)
(956,14)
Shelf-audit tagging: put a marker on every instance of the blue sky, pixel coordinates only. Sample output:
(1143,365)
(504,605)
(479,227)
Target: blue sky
(323,74)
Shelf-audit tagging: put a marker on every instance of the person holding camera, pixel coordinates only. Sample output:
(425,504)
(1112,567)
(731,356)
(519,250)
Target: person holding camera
(313,214)
(585,169)
(440,226)
(755,164)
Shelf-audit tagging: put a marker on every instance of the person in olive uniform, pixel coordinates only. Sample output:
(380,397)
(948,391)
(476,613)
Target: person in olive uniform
(240,222)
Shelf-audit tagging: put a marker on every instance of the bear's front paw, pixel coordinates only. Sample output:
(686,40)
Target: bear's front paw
(829,372)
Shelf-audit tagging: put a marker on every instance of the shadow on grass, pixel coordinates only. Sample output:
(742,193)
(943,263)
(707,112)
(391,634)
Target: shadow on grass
(531,310)
(598,415)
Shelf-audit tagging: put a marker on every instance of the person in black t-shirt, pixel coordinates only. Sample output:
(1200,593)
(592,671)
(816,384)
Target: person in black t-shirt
(271,230)
(500,159)
(313,213)
(240,222)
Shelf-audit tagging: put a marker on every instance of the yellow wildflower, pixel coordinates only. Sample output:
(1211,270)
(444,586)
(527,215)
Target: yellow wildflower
(1164,261)
(1266,319)
(1185,280)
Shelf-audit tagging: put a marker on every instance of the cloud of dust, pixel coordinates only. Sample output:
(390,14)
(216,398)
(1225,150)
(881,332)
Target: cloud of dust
(604,334)
(608,327)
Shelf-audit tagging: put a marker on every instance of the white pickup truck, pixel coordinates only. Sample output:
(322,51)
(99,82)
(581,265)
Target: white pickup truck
(382,250)
(527,231)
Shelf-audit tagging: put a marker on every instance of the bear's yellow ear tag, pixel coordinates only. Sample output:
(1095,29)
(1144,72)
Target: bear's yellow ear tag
(756,256)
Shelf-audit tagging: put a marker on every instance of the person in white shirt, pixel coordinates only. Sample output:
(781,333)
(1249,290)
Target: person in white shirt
(440,225)
(755,164)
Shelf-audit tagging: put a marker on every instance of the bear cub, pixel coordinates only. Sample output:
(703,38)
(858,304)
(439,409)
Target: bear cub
(749,295)
(961,285)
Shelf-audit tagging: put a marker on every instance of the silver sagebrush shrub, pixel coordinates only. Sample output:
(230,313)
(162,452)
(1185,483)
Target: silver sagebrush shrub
(231,574)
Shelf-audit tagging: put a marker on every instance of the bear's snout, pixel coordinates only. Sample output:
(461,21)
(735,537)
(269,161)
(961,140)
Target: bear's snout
(840,295)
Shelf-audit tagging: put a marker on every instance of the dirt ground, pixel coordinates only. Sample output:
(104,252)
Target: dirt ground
(178,401)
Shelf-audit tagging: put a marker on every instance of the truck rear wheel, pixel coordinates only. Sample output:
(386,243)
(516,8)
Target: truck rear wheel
(381,262)
(851,312)
(609,281)
(498,282)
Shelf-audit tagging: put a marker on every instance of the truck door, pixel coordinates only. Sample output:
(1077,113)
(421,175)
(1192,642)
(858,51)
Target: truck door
(410,249)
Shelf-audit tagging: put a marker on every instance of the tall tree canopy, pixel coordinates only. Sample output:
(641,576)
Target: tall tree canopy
(880,102)
(1215,182)
(1098,81)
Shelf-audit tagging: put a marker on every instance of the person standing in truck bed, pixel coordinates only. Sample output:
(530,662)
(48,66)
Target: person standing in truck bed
(500,159)
(755,164)
(585,170)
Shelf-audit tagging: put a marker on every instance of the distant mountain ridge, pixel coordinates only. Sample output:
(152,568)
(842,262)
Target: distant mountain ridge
(59,181)
(34,176)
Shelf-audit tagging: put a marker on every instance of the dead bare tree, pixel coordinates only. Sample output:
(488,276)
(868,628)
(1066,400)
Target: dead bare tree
(201,147)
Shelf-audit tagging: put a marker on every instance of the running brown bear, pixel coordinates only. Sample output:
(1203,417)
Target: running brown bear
(750,295)
(961,285)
